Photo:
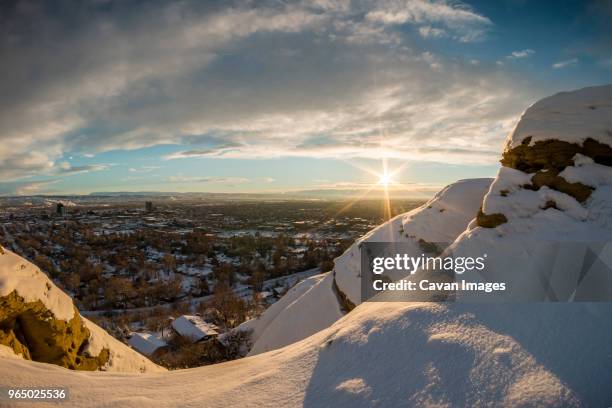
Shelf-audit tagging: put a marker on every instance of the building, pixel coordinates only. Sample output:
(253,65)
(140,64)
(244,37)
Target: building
(279,291)
(60,209)
(145,343)
(149,206)
(194,328)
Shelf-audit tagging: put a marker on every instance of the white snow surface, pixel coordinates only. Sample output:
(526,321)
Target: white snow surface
(30,283)
(568,116)
(387,355)
(7,352)
(307,308)
(440,220)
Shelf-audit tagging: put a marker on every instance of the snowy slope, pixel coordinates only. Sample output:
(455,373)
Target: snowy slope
(309,307)
(438,221)
(313,304)
(17,274)
(384,354)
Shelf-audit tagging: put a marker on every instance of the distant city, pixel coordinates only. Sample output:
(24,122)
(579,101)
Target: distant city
(136,263)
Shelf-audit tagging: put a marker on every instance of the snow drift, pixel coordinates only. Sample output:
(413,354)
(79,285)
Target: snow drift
(308,307)
(380,354)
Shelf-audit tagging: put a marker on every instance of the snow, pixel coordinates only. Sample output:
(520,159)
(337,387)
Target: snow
(7,352)
(194,327)
(30,283)
(384,354)
(312,304)
(530,229)
(276,313)
(440,220)
(299,314)
(195,271)
(567,116)
(145,343)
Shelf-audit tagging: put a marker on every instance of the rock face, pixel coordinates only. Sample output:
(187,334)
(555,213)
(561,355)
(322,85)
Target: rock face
(32,331)
(39,322)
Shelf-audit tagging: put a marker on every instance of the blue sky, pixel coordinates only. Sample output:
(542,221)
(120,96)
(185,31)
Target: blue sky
(278,96)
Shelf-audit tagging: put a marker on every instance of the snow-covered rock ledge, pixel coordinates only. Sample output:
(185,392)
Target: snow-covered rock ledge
(38,321)
(559,157)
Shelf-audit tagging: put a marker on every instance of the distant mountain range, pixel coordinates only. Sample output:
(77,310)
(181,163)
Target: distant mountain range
(320,194)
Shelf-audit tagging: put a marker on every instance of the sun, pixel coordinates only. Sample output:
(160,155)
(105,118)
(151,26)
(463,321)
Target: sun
(385,179)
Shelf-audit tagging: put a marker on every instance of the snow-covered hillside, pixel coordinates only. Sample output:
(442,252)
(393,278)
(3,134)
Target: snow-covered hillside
(387,355)
(32,307)
(316,303)
(438,222)
(307,308)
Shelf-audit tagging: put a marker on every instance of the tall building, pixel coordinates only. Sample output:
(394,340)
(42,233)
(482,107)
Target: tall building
(60,209)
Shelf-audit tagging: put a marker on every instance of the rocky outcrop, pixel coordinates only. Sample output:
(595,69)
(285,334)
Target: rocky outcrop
(490,220)
(545,146)
(547,218)
(33,332)
(554,154)
(39,322)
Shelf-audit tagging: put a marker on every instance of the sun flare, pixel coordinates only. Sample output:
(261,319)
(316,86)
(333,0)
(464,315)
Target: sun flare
(385,179)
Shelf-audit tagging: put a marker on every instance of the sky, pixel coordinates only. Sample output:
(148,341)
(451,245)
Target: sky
(279,96)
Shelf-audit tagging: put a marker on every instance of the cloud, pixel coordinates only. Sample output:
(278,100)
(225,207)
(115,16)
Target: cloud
(66,169)
(247,80)
(457,17)
(566,63)
(211,152)
(521,54)
(432,32)
(27,187)
(269,180)
(374,189)
(143,169)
